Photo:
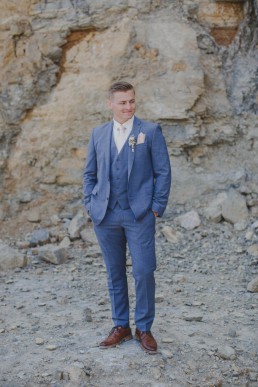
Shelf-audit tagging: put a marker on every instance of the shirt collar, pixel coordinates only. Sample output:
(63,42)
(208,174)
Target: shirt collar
(128,124)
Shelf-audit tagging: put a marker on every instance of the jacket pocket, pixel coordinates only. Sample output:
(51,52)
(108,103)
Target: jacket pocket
(95,190)
(142,145)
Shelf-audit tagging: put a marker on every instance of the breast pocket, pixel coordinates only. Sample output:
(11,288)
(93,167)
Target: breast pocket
(141,147)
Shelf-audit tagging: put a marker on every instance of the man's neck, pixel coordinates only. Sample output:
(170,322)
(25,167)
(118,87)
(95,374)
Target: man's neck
(130,121)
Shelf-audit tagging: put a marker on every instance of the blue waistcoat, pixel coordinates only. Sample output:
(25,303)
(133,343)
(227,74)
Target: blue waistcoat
(118,176)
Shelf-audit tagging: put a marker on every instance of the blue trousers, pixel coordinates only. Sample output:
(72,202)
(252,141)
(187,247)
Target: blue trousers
(118,228)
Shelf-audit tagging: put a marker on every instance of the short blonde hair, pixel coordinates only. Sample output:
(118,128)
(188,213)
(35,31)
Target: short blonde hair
(119,86)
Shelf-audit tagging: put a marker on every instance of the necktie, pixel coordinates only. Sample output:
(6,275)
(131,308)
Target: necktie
(121,138)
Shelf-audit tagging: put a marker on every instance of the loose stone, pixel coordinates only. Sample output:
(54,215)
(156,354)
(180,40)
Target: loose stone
(167,340)
(166,353)
(226,353)
(88,315)
(65,243)
(193,317)
(10,258)
(253,285)
(253,250)
(39,237)
(232,332)
(171,235)
(53,254)
(159,298)
(234,208)
(252,376)
(39,341)
(76,225)
(189,221)
(51,347)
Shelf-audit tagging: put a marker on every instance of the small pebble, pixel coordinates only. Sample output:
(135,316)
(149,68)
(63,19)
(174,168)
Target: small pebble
(39,341)
(193,318)
(51,347)
(167,354)
(226,353)
(167,340)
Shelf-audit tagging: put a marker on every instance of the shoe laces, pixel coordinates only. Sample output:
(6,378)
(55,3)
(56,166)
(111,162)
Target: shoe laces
(114,330)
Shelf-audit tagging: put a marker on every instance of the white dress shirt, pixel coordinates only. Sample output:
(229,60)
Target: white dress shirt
(121,132)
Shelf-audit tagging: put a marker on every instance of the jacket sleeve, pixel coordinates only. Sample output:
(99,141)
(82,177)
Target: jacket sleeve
(90,173)
(162,172)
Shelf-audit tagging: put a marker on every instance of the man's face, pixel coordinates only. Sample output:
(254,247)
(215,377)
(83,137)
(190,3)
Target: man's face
(122,104)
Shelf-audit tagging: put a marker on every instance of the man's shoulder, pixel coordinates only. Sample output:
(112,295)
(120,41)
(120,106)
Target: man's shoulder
(148,125)
(101,129)
(102,126)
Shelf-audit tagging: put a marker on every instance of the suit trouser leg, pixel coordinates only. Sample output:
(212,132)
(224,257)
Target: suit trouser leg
(140,236)
(112,241)
(118,227)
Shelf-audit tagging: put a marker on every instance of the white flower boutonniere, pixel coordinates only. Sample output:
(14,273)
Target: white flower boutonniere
(132,142)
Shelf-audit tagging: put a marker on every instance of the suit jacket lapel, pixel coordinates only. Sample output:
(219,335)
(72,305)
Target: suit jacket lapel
(107,147)
(131,155)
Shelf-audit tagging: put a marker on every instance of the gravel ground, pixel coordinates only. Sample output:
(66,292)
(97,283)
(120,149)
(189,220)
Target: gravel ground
(53,317)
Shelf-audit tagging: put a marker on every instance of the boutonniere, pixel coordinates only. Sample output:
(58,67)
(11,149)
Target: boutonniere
(132,142)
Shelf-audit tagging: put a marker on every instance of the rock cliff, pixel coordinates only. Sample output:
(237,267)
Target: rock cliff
(195,68)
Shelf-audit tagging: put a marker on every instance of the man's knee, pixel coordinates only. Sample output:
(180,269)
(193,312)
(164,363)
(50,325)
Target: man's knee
(116,272)
(144,273)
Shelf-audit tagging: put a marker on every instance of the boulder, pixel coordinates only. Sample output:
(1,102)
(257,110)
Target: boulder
(53,254)
(77,224)
(234,208)
(33,215)
(10,258)
(214,210)
(39,237)
(189,221)
(171,235)
(226,353)
(65,243)
(89,236)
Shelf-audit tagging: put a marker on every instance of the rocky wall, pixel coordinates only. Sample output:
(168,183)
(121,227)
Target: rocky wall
(194,65)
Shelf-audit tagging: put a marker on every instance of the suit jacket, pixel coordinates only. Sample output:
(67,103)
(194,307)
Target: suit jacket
(149,173)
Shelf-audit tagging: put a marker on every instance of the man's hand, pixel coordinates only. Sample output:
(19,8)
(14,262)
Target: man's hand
(155,213)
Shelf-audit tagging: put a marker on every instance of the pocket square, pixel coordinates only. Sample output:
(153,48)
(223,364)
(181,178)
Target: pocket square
(141,138)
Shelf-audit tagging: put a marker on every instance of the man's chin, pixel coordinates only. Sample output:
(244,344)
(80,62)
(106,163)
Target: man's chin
(129,115)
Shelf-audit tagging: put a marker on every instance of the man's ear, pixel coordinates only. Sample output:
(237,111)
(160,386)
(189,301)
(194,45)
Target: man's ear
(109,103)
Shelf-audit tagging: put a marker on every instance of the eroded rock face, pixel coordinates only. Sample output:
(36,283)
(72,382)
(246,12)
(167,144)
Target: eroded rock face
(193,66)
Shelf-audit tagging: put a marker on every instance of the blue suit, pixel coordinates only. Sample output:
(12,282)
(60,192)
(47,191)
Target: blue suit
(122,214)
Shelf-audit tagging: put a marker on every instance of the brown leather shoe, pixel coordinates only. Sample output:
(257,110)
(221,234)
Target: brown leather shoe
(147,341)
(116,336)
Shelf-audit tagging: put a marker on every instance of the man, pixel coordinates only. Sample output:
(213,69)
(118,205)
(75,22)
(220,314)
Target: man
(126,186)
